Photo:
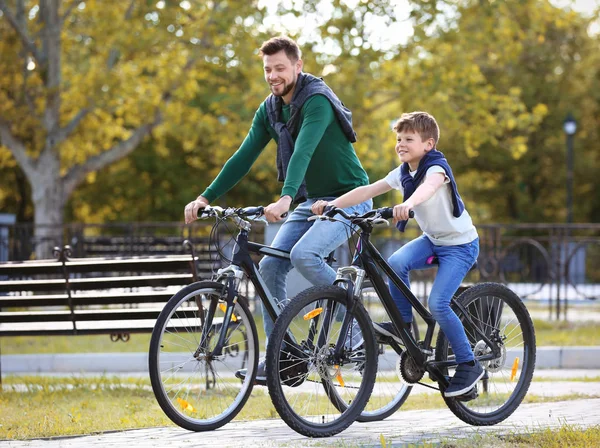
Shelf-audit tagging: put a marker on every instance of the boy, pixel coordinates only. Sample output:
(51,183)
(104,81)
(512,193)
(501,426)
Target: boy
(429,189)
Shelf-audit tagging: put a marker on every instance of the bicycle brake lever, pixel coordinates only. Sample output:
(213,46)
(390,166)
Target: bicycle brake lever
(320,218)
(261,219)
(380,221)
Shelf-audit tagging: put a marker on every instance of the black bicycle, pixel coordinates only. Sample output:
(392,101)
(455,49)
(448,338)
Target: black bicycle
(205,333)
(497,324)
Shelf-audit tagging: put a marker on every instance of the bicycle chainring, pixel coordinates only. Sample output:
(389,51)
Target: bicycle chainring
(408,370)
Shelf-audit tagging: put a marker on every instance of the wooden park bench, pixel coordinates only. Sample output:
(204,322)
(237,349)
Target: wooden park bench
(83,296)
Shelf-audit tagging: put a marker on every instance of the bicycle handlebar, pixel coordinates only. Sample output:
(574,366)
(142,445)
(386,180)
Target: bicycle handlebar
(371,216)
(385,212)
(241,212)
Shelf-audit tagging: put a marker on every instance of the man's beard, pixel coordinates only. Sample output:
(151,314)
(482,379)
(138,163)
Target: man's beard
(287,89)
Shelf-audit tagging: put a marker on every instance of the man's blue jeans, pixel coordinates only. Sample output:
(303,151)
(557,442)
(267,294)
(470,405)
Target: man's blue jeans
(309,242)
(454,263)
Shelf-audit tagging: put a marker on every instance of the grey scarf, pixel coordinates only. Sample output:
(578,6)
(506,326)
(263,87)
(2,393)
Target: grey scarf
(307,85)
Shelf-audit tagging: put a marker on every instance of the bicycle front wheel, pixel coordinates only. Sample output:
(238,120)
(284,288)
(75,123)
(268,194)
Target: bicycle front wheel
(317,392)
(500,314)
(195,385)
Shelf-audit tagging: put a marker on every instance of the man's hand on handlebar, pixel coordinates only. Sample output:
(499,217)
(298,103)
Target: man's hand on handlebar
(278,210)
(317,207)
(191,210)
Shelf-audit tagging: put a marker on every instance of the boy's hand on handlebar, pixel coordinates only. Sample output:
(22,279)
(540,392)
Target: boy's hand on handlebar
(402,211)
(278,210)
(191,210)
(317,207)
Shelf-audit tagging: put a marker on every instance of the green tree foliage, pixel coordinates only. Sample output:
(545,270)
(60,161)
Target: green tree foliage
(181,81)
(537,63)
(84,84)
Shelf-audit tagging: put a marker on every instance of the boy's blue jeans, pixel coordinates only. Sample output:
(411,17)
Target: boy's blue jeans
(454,263)
(309,242)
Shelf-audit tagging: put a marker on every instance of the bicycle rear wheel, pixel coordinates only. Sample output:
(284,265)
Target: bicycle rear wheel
(195,387)
(390,391)
(501,315)
(315,393)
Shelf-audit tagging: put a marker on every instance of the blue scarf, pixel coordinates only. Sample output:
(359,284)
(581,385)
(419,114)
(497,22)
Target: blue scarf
(410,183)
(307,85)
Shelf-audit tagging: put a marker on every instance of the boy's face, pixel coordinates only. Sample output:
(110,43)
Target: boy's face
(411,148)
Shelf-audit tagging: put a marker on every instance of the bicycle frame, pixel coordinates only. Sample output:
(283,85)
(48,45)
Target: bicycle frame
(242,264)
(368,258)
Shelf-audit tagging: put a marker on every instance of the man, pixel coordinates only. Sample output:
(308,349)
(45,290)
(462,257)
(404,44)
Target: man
(315,161)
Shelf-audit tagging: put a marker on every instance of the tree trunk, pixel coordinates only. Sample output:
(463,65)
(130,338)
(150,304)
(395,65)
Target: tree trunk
(48,201)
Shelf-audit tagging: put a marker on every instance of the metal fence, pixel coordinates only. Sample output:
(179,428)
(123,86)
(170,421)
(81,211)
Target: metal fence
(554,264)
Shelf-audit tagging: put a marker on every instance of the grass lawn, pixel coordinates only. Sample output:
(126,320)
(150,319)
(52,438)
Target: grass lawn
(565,436)
(51,406)
(138,342)
(547,334)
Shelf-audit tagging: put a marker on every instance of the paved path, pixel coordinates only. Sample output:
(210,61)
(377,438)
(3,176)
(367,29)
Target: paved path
(402,428)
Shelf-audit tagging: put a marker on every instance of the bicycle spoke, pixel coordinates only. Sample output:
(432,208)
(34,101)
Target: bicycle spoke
(196,387)
(500,315)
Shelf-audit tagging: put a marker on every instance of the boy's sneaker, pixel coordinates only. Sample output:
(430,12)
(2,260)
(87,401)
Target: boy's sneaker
(387,329)
(464,379)
(261,374)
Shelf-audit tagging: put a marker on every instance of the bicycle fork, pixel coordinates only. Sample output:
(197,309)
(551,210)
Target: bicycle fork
(230,277)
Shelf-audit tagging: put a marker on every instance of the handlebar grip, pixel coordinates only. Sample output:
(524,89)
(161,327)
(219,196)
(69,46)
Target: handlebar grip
(329,210)
(251,211)
(388,213)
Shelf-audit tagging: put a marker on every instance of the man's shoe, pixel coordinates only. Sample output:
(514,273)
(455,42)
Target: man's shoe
(464,379)
(387,329)
(261,374)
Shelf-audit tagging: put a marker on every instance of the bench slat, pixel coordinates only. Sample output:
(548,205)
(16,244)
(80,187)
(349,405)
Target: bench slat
(79,315)
(86,284)
(81,300)
(84,328)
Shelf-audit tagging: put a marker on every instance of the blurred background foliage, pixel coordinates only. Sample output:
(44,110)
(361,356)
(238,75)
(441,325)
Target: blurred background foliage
(499,76)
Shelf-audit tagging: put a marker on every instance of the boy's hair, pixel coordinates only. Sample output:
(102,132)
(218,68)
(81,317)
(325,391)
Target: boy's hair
(276,44)
(420,122)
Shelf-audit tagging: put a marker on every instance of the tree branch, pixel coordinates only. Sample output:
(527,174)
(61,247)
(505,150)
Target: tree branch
(69,10)
(122,149)
(65,131)
(17,148)
(22,22)
(52,49)
(114,53)
(25,39)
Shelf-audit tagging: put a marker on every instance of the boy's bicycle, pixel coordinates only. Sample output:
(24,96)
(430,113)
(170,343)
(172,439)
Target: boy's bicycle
(497,324)
(206,333)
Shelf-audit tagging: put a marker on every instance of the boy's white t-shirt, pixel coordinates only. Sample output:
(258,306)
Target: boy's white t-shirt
(434,216)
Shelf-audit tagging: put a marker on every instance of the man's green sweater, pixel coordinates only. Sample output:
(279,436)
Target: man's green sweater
(322,154)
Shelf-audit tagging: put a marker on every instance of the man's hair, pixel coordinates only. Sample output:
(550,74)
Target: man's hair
(420,122)
(276,44)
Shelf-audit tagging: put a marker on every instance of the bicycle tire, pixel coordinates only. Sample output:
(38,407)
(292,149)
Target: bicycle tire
(501,314)
(190,403)
(390,391)
(352,380)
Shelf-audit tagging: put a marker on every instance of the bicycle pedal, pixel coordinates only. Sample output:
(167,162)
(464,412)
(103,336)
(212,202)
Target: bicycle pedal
(471,395)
